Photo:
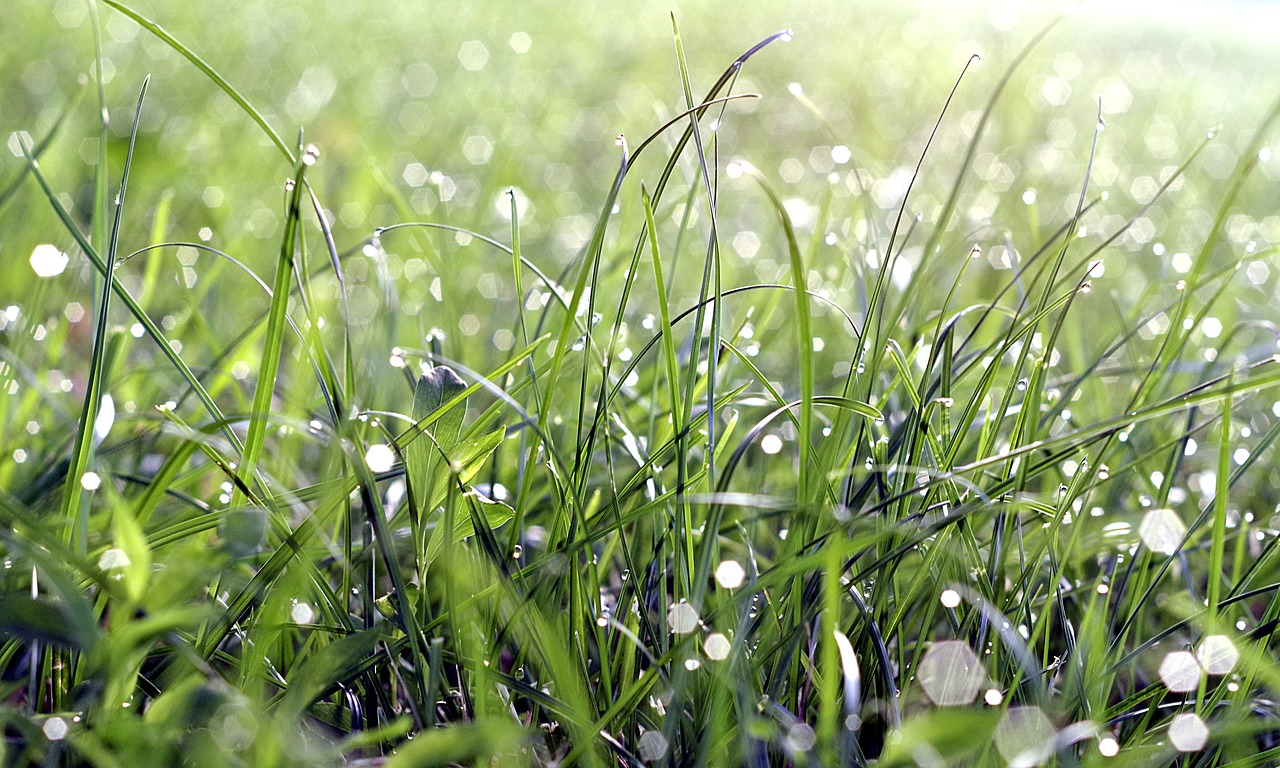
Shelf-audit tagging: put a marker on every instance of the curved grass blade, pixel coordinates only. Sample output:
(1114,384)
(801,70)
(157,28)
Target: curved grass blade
(209,72)
(273,339)
(75,514)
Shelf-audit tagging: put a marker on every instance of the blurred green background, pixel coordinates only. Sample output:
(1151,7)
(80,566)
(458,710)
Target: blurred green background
(428,112)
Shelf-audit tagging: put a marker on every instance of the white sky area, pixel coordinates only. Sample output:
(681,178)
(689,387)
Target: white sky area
(1253,17)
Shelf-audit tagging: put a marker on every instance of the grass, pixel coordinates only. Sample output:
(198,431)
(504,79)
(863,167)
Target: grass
(730,441)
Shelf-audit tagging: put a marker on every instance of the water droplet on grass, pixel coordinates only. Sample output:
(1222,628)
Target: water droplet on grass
(379,457)
(730,575)
(652,746)
(950,673)
(1217,654)
(301,614)
(717,647)
(1180,672)
(48,261)
(1162,531)
(682,618)
(55,729)
(800,738)
(1187,732)
(1025,737)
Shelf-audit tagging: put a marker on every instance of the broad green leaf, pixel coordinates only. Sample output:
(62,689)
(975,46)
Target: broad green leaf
(496,514)
(950,735)
(326,668)
(40,620)
(427,473)
(469,744)
(130,540)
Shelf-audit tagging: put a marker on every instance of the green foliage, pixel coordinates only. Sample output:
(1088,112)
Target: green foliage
(882,424)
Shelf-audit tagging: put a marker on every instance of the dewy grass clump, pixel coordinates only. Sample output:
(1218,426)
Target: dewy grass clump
(947,464)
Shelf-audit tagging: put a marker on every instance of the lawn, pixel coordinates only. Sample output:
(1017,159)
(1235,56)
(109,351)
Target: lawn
(891,384)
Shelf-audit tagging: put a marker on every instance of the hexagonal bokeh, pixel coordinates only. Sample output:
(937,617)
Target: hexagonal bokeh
(1188,733)
(1180,672)
(951,674)
(1025,737)
(652,746)
(1162,531)
(1217,654)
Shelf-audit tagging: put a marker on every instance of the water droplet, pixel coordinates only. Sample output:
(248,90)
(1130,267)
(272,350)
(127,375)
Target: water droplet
(1162,531)
(1217,654)
(55,729)
(652,746)
(289,184)
(1187,732)
(800,738)
(717,647)
(682,618)
(380,457)
(1023,384)
(311,155)
(47,261)
(786,35)
(517,552)
(950,673)
(1025,737)
(113,558)
(302,614)
(730,574)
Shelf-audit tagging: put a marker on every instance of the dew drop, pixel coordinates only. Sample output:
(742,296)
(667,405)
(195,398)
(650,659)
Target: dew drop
(55,729)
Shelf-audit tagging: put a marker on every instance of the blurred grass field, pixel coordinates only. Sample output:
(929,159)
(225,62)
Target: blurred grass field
(1021,384)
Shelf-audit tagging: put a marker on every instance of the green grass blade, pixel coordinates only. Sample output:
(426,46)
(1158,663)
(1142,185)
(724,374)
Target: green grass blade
(74,509)
(210,72)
